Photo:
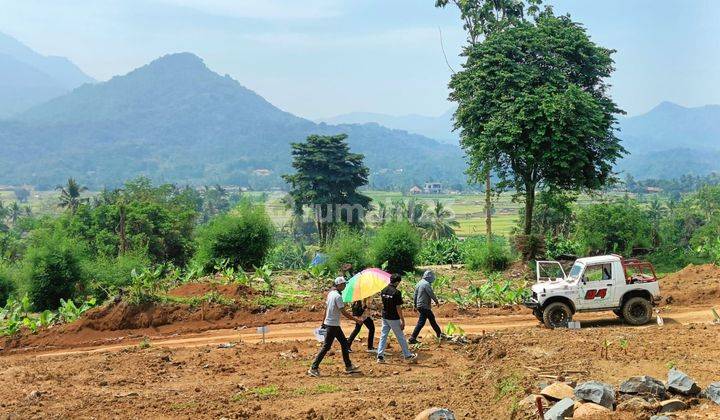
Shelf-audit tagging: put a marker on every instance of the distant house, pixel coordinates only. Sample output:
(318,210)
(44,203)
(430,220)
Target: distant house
(415,190)
(262,172)
(653,190)
(432,188)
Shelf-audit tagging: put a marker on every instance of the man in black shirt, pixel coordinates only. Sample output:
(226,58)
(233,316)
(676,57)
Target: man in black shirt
(393,319)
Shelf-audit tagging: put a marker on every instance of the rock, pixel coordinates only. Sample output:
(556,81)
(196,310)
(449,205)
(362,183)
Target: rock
(597,392)
(669,406)
(436,414)
(528,404)
(644,385)
(563,408)
(660,418)
(680,383)
(589,410)
(557,391)
(637,405)
(35,395)
(712,392)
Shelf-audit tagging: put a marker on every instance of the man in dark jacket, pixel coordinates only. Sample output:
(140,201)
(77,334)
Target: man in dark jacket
(424,296)
(393,320)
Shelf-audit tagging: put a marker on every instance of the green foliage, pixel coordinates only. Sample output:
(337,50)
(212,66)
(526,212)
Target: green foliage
(243,237)
(7,286)
(556,246)
(52,270)
(147,285)
(497,292)
(348,246)
(477,255)
(69,312)
(264,274)
(327,178)
(107,276)
(553,215)
(397,244)
(440,251)
(453,329)
(616,227)
(533,106)
(287,255)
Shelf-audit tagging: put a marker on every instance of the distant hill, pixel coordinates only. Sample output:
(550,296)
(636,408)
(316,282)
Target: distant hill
(439,128)
(28,78)
(177,121)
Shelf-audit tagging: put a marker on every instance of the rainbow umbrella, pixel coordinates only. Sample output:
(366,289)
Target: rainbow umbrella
(365,284)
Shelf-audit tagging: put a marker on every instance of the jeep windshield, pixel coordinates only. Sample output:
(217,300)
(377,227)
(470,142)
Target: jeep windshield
(575,272)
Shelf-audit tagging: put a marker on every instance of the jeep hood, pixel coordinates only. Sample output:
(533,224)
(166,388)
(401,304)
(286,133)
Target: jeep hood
(550,287)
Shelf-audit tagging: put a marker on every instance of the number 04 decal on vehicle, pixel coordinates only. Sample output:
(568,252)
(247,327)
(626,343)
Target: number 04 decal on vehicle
(596,294)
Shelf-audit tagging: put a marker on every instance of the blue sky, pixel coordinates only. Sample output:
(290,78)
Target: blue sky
(319,58)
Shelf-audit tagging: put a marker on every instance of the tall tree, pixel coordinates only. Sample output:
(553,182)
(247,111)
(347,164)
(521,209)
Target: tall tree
(70,195)
(327,178)
(440,223)
(14,213)
(533,102)
(482,18)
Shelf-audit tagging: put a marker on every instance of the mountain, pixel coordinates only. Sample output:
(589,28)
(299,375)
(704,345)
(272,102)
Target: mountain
(671,140)
(28,78)
(439,128)
(175,120)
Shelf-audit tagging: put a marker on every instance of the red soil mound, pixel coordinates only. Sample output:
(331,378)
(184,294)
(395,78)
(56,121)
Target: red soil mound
(232,291)
(693,284)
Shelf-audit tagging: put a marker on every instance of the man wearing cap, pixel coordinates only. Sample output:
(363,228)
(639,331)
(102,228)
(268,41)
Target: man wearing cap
(334,308)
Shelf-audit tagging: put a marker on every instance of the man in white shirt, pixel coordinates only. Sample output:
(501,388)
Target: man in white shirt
(334,308)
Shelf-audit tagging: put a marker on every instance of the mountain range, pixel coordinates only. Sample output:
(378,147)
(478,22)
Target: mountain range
(28,78)
(175,120)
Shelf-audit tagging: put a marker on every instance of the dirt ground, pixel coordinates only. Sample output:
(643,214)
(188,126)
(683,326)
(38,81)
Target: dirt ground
(196,368)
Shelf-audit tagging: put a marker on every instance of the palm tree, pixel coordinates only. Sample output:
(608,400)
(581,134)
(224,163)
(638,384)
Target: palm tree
(14,213)
(70,195)
(441,223)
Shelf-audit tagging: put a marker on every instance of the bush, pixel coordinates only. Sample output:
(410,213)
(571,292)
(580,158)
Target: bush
(287,255)
(398,245)
(558,246)
(617,227)
(477,255)
(7,286)
(107,275)
(52,270)
(347,247)
(243,238)
(440,251)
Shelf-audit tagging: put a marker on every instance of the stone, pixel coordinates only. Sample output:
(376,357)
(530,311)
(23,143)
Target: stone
(436,413)
(563,408)
(644,385)
(597,392)
(712,392)
(660,418)
(637,405)
(669,406)
(557,391)
(528,404)
(589,410)
(680,383)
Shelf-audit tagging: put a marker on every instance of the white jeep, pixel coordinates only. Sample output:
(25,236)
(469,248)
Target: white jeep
(627,287)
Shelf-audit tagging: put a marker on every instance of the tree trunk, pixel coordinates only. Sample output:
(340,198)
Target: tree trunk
(488,209)
(529,207)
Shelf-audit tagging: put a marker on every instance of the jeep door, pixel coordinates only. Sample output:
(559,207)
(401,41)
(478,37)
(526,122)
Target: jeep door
(596,286)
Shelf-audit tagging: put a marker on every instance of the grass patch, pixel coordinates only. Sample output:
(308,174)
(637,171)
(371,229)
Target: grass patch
(509,385)
(183,406)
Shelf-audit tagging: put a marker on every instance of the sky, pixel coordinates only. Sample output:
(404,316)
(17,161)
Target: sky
(320,58)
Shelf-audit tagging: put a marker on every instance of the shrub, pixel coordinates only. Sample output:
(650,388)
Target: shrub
(7,286)
(617,227)
(477,255)
(558,246)
(107,275)
(287,255)
(398,245)
(440,251)
(52,270)
(243,238)
(347,247)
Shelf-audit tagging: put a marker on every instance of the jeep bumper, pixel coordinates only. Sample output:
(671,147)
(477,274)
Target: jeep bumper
(531,303)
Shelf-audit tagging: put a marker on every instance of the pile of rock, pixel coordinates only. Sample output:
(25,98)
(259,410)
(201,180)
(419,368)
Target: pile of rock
(643,396)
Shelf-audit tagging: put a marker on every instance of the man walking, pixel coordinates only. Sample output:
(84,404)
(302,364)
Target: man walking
(393,319)
(334,308)
(424,296)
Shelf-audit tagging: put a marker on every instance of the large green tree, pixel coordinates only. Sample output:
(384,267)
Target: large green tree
(533,103)
(327,178)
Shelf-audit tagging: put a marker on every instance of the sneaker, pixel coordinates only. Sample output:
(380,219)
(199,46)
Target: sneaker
(352,369)
(412,356)
(381,359)
(349,350)
(372,351)
(443,336)
(413,341)
(315,373)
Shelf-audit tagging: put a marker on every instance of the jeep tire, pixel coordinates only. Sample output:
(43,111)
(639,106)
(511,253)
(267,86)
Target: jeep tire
(637,311)
(618,312)
(557,314)
(538,314)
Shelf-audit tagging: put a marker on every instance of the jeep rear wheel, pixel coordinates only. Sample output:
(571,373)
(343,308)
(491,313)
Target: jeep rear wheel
(637,311)
(557,314)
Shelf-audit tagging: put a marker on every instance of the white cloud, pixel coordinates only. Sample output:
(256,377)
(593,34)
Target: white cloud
(265,9)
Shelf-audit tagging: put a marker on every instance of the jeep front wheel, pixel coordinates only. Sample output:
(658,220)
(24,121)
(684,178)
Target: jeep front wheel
(557,314)
(637,311)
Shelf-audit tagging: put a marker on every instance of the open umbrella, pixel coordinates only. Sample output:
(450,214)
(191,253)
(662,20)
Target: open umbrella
(365,284)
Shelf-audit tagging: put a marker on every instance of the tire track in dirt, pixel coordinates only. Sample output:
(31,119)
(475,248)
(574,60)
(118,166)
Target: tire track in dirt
(304,331)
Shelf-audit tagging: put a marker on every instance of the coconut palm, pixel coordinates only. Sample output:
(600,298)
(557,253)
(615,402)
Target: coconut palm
(14,213)
(439,222)
(70,195)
